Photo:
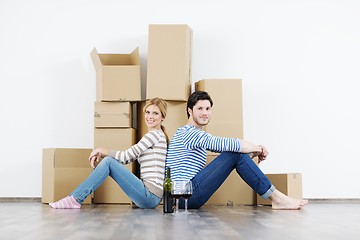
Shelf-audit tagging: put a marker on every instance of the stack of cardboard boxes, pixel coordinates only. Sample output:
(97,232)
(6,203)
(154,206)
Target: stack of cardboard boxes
(118,86)
(227,121)
(168,73)
(119,110)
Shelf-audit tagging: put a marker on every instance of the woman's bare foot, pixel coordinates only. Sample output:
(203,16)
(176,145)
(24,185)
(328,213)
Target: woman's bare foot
(282,202)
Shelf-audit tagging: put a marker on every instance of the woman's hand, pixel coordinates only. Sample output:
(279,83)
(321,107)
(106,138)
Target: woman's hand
(94,157)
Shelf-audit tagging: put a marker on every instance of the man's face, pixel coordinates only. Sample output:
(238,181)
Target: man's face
(201,112)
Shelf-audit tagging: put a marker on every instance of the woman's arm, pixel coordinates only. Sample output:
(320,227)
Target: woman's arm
(147,141)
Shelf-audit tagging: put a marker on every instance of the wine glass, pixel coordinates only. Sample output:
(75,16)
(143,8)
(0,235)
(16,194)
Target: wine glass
(186,193)
(176,192)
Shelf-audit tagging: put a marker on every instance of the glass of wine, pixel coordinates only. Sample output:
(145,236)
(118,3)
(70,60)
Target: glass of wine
(177,192)
(186,193)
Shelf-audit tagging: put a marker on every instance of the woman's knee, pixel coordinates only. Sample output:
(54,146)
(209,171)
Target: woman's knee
(106,160)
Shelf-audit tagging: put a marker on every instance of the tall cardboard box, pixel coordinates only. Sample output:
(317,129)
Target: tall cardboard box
(169,62)
(234,191)
(288,183)
(116,139)
(113,115)
(63,169)
(227,111)
(175,117)
(117,76)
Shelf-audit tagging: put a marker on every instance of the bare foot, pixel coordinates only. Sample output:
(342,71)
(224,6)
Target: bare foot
(282,202)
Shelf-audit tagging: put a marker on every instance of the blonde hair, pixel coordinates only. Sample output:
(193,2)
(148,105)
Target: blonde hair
(162,105)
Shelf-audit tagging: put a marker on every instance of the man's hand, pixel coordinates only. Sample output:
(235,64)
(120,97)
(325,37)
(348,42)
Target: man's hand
(262,156)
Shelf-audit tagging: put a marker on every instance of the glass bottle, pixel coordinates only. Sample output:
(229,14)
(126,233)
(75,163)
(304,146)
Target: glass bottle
(167,198)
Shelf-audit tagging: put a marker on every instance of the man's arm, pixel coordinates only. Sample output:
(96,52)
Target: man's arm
(254,150)
(248,147)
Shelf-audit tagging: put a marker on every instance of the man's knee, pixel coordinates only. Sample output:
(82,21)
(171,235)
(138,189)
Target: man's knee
(233,155)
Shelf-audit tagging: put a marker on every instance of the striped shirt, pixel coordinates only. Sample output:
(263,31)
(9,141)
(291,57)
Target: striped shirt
(186,155)
(150,152)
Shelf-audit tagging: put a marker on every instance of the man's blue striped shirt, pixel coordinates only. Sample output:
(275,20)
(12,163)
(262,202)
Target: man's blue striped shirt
(186,154)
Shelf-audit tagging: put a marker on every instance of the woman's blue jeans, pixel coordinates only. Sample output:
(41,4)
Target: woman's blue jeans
(133,187)
(208,180)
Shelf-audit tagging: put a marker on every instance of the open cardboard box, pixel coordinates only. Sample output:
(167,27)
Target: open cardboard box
(117,76)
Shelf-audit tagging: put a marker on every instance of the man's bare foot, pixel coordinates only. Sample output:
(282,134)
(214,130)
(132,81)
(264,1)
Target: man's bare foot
(282,202)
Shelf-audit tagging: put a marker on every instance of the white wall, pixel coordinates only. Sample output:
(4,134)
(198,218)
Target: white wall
(299,61)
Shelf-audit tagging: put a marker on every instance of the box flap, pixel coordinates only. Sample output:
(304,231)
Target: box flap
(135,58)
(96,59)
(115,59)
(48,175)
(101,59)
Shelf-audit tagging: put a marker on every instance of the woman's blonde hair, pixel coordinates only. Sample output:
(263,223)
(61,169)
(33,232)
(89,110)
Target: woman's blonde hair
(162,105)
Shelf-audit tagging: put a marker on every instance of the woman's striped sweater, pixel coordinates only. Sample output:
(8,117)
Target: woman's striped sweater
(150,152)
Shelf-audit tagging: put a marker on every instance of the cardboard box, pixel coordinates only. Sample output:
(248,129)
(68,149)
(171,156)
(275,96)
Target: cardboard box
(288,183)
(169,62)
(227,111)
(176,117)
(117,76)
(110,192)
(63,169)
(116,139)
(234,191)
(113,114)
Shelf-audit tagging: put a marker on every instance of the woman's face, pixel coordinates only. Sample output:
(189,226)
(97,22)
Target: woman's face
(153,117)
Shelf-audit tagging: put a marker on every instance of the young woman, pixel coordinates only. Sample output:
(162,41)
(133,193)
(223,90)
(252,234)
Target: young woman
(150,152)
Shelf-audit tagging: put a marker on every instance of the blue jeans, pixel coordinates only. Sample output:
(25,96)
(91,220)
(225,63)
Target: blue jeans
(130,184)
(208,180)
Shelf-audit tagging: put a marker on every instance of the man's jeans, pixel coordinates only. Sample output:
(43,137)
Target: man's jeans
(208,180)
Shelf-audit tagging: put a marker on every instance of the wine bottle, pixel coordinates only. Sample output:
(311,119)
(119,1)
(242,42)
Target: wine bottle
(167,198)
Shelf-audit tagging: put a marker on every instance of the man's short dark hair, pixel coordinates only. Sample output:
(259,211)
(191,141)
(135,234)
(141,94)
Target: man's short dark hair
(195,97)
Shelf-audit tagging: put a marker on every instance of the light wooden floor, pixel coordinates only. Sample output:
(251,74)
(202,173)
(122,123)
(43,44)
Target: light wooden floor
(318,220)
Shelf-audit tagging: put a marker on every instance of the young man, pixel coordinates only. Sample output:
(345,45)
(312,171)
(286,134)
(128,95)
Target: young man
(186,158)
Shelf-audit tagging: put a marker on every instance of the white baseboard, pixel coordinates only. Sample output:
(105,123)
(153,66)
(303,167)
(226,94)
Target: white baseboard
(20,199)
